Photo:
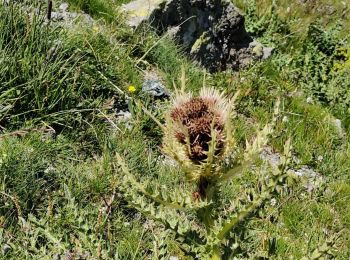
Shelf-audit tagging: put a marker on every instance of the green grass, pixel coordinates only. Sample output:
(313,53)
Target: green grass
(105,9)
(59,134)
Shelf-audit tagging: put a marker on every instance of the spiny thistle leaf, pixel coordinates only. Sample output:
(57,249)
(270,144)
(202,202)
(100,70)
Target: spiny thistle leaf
(180,200)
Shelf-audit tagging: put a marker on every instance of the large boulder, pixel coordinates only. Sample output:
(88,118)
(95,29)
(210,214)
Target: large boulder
(211,31)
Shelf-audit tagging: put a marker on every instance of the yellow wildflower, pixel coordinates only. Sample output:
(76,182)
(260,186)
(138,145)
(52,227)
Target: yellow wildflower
(131,89)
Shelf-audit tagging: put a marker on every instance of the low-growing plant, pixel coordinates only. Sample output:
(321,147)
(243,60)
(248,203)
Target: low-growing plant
(198,135)
(322,67)
(266,26)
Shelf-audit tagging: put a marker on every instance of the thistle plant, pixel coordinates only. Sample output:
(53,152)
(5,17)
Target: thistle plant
(199,136)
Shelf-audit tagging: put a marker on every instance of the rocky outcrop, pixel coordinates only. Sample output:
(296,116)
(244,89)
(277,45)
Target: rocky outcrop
(211,31)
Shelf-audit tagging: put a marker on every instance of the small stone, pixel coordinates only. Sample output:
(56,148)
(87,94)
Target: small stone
(253,44)
(155,88)
(56,16)
(338,126)
(63,7)
(49,169)
(169,161)
(274,159)
(124,116)
(306,171)
(267,52)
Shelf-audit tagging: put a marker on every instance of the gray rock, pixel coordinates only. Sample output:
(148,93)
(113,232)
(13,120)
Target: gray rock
(140,10)
(311,179)
(155,88)
(63,7)
(338,126)
(271,157)
(260,51)
(306,171)
(56,16)
(211,31)
(267,52)
(67,18)
(124,116)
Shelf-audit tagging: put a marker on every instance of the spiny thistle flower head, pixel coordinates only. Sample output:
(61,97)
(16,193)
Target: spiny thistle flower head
(197,131)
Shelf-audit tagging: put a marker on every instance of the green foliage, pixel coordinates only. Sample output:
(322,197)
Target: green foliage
(196,220)
(26,184)
(49,74)
(268,25)
(105,9)
(63,193)
(318,64)
(322,71)
(71,230)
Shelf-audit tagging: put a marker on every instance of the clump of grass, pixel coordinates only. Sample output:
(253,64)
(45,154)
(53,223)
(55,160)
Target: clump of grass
(105,9)
(54,76)
(32,164)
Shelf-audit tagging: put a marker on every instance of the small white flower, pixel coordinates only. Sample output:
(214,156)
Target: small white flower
(273,202)
(285,119)
(309,100)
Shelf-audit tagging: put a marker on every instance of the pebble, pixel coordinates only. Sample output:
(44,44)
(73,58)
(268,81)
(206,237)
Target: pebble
(63,7)
(155,88)
(338,126)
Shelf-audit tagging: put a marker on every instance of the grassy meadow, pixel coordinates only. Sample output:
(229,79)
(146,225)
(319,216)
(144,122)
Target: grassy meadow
(61,88)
